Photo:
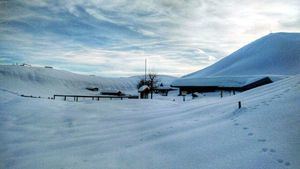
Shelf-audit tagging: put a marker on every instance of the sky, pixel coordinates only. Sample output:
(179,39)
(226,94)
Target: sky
(112,38)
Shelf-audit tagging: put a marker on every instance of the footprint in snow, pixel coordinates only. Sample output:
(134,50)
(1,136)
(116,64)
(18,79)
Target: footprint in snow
(280,161)
(261,140)
(250,134)
(287,163)
(236,124)
(264,149)
(245,128)
(272,150)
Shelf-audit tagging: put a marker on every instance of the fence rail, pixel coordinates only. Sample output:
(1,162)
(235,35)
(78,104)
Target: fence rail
(93,97)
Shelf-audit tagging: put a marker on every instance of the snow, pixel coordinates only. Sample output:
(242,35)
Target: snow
(276,55)
(143,88)
(39,81)
(202,133)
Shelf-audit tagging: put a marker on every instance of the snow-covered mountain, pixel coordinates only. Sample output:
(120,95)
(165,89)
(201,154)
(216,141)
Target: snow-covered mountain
(41,81)
(274,54)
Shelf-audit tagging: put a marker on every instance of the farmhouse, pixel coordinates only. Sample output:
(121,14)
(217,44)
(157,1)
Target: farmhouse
(220,83)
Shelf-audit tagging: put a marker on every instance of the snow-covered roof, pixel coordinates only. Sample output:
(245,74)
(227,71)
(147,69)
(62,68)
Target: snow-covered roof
(143,88)
(219,81)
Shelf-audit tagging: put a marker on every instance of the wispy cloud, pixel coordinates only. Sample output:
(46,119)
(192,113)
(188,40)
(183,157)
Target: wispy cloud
(112,38)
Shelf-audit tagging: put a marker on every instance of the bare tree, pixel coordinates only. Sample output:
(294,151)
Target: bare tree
(152,82)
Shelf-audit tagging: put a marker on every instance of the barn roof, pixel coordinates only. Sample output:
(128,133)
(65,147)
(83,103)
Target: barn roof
(217,81)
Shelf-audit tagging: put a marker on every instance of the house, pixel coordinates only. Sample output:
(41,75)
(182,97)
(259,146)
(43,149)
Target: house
(220,83)
(144,91)
(112,92)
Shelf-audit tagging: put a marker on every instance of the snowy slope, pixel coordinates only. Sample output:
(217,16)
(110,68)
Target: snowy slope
(274,54)
(40,81)
(155,134)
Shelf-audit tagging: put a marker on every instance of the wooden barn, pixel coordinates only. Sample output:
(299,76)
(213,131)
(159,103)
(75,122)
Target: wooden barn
(211,84)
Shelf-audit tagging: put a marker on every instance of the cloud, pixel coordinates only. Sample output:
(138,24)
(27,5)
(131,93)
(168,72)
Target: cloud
(112,38)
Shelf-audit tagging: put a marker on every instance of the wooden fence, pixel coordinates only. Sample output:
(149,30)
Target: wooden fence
(75,97)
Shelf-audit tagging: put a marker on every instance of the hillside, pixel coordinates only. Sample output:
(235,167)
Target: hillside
(41,81)
(274,54)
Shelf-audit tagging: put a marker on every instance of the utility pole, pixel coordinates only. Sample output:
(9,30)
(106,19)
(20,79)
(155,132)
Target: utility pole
(145,70)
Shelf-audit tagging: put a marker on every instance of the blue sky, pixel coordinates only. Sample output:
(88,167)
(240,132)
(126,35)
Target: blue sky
(113,37)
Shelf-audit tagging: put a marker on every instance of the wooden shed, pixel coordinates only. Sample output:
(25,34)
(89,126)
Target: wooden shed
(144,92)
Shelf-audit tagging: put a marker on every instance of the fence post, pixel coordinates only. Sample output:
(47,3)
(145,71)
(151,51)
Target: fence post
(233,92)
(240,104)
(65,98)
(221,93)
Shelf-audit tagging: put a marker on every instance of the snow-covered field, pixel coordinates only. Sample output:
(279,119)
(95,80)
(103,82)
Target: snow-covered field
(201,133)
